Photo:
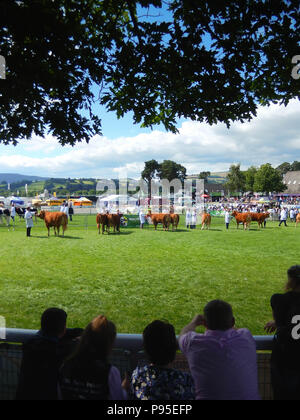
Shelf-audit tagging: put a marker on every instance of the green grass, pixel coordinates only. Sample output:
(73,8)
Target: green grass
(139,276)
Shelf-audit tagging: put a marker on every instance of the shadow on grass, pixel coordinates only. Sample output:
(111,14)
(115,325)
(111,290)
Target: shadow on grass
(122,233)
(212,230)
(67,237)
(53,236)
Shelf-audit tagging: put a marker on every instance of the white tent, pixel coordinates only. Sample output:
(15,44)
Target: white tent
(115,198)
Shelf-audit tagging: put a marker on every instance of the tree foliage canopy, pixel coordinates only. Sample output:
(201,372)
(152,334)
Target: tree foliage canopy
(208,61)
(268,179)
(235,179)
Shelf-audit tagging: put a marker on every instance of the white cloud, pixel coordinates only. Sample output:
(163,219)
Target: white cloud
(273,136)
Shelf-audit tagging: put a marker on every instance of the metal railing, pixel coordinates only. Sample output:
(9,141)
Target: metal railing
(128,354)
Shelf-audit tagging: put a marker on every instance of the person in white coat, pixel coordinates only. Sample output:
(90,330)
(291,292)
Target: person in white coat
(188,218)
(292,215)
(283,217)
(227,218)
(13,212)
(66,210)
(29,221)
(194,219)
(142,217)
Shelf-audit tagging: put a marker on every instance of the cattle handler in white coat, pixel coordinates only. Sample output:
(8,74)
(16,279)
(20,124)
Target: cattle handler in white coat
(29,221)
(142,217)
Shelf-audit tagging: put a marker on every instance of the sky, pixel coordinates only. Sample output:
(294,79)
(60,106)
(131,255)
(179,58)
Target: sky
(272,137)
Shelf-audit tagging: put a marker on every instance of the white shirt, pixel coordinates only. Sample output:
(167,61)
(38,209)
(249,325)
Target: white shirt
(188,217)
(227,217)
(194,217)
(283,215)
(13,211)
(142,216)
(28,219)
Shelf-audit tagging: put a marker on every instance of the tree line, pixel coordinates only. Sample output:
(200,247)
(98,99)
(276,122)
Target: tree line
(263,179)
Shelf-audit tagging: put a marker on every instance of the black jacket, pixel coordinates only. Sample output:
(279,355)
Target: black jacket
(42,358)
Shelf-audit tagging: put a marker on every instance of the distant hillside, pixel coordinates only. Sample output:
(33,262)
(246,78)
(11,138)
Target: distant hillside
(11,178)
(214,178)
(217,177)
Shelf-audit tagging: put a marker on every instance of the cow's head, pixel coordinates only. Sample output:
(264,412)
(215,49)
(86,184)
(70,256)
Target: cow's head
(41,215)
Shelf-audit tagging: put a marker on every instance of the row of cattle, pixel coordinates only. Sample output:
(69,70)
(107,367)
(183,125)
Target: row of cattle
(107,221)
(247,218)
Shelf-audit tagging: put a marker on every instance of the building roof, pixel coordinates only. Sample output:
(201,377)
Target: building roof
(292,181)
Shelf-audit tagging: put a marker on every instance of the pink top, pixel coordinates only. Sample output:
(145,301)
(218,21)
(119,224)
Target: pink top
(116,392)
(223,364)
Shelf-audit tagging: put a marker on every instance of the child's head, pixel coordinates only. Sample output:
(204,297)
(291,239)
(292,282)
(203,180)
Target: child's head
(293,274)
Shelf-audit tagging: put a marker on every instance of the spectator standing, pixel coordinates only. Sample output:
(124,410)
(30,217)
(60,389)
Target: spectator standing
(157,380)
(285,364)
(223,361)
(43,356)
(29,221)
(87,374)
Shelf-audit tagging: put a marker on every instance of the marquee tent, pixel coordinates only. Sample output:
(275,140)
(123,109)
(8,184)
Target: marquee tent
(16,200)
(82,201)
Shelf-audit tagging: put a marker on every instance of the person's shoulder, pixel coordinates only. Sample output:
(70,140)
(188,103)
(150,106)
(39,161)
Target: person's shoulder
(281,298)
(244,332)
(191,337)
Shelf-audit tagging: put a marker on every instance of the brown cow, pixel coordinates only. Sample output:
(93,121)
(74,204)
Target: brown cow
(174,220)
(244,218)
(113,220)
(101,220)
(107,221)
(259,218)
(163,218)
(297,219)
(206,220)
(55,220)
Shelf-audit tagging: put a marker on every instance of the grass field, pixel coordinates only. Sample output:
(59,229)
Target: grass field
(139,276)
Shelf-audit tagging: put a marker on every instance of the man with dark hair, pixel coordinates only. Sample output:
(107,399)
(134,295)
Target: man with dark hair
(43,356)
(222,361)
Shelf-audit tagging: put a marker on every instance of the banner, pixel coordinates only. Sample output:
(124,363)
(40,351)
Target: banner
(217,213)
(130,220)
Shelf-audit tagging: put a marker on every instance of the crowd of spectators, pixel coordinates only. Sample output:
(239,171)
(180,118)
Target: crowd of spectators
(68,364)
